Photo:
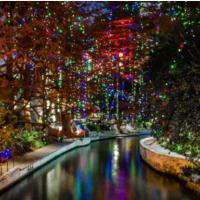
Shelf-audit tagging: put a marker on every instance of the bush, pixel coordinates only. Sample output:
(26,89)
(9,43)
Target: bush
(35,138)
(186,143)
(20,141)
(93,127)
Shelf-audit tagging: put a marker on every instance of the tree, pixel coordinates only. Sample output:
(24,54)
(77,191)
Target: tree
(172,82)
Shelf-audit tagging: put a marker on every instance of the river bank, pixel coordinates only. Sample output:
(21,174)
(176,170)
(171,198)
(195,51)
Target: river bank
(165,161)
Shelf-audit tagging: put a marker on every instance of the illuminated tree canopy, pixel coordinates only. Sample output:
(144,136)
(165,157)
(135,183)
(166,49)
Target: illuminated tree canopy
(60,61)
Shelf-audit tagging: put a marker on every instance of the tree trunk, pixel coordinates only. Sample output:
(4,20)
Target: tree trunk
(66,124)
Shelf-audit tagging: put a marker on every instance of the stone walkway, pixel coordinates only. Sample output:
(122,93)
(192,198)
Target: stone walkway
(28,159)
(29,162)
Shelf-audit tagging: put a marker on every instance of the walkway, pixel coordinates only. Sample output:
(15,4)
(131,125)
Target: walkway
(22,162)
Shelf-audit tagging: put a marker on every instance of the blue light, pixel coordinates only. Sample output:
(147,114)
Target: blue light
(110,17)
(2,62)
(14,55)
(31,66)
(83,84)
(172,11)
(135,7)
(5,154)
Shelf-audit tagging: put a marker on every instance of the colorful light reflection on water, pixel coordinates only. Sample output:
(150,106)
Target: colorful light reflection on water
(110,170)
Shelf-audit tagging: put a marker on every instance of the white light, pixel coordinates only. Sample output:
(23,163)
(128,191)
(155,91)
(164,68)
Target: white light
(115,164)
(53,118)
(120,55)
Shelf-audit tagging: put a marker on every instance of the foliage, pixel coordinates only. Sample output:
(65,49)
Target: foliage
(172,84)
(20,141)
(187,143)
(141,124)
(36,138)
(93,127)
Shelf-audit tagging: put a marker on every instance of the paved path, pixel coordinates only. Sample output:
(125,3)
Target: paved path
(27,159)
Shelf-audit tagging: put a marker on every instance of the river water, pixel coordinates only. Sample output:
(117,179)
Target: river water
(110,170)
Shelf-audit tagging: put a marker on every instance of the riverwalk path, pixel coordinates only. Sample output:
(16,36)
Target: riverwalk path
(29,158)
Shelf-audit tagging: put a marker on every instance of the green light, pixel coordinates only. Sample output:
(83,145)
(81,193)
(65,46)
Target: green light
(185,23)
(179,147)
(91,49)
(89,66)
(60,30)
(60,83)
(173,67)
(81,29)
(164,97)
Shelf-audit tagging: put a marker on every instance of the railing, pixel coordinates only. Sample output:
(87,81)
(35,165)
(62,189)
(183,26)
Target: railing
(6,166)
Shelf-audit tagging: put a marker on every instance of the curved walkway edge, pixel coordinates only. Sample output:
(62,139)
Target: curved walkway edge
(34,160)
(166,161)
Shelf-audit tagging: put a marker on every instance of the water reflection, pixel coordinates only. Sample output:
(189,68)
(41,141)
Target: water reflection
(110,170)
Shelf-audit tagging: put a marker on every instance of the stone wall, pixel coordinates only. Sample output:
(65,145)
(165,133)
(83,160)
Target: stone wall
(165,161)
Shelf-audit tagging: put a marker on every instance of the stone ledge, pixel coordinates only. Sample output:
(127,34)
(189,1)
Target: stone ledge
(166,161)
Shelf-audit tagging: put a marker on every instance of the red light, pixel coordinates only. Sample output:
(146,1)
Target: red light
(181,46)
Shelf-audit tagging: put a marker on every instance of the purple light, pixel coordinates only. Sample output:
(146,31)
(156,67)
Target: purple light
(130,77)
(31,66)
(60,69)
(83,84)
(23,21)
